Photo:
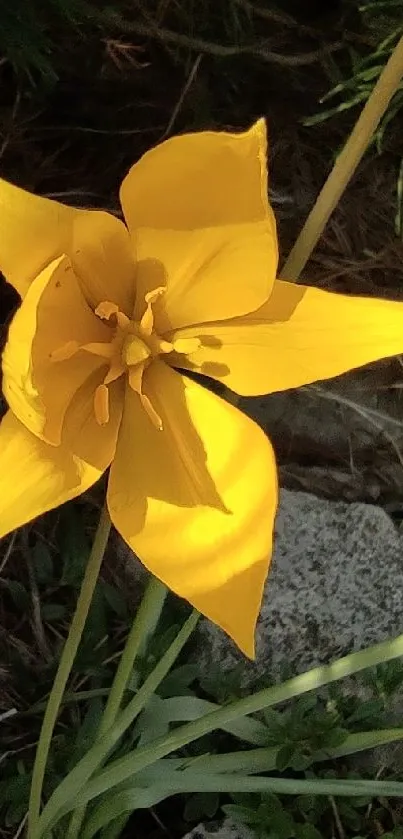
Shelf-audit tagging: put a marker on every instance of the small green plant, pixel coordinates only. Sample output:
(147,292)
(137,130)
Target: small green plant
(29,33)
(381,17)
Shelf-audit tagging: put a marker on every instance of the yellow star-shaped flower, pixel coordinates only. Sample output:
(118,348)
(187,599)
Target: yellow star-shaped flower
(113,316)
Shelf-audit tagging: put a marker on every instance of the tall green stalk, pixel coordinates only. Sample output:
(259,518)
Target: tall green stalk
(71,787)
(65,665)
(143,627)
(346,164)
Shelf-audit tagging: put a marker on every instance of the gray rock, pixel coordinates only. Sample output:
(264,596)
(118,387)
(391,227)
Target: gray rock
(335,586)
(342,439)
(227,830)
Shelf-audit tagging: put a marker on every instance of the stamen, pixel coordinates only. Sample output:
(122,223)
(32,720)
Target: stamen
(106,309)
(104,350)
(101,404)
(185,346)
(151,412)
(153,295)
(136,378)
(135,382)
(132,347)
(116,370)
(65,351)
(122,320)
(147,321)
(158,345)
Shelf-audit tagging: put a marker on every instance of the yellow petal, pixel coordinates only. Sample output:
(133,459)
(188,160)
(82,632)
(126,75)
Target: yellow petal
(102,256)
(35,477)
(33,232)
(209,274)
(196,501)
(52,315)
(199,180)
(198,208)
(301,335)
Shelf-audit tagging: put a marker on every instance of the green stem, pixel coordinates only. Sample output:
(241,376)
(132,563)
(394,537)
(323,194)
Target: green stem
(143,627)
(65,665)
(70,788)
(346,164)
(115,828)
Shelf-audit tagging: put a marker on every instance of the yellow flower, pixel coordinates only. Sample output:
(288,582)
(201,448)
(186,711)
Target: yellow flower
(111,315)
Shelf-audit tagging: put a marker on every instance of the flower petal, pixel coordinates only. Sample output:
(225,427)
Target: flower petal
(196,501)
(209,274)
(199,210)
(53,314)
(102,255)
(35,477)
(301,335)
(34,231)
(199,180)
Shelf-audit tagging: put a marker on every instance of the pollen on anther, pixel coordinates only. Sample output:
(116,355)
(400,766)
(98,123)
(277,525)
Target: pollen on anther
(65,352)
(101,404)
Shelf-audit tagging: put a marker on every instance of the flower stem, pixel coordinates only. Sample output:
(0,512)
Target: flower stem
(345,164)
(65,665)
(143,627)
(69,790)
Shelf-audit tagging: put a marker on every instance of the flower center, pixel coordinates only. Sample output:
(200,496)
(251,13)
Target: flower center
(133,346)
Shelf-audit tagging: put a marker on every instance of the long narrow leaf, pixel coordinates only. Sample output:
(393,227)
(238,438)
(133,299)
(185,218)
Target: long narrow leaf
(133,799)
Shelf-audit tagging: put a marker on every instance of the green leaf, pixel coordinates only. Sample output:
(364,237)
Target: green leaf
(201,805)
(304,705)
(43,564)
(300,761)
(97,622)
(307,831)
(16,794)
(248,800)
(282,825)
(189,708)
(335,737)
(18,594)
(285,756)
(272,718)
(371,709)
(53,611)
(87,732)
(114,599)
(244,815)
(178,681)
(349,813)
(270,803)
(153,722)
(73,546)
